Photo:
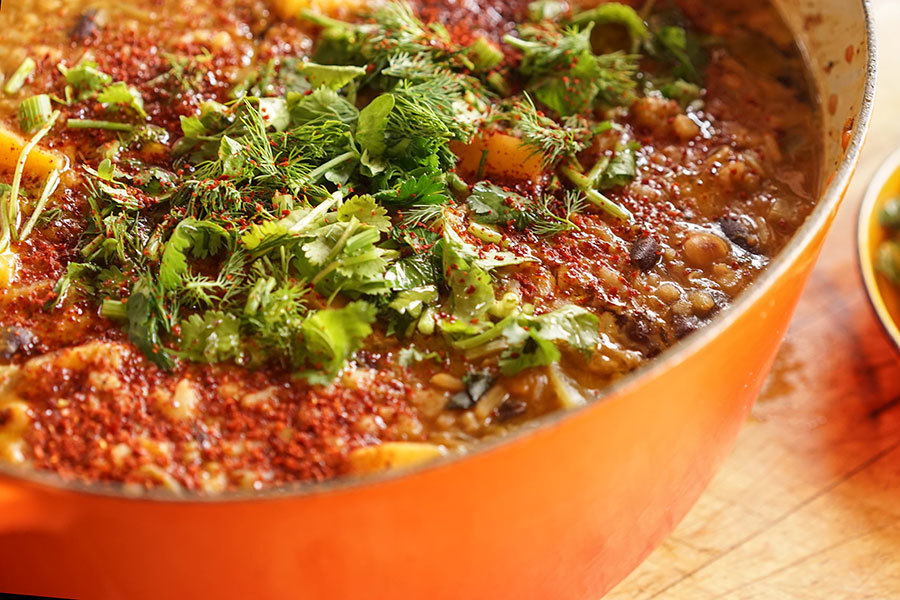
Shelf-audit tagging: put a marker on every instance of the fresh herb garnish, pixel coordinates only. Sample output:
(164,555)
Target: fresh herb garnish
(292,222)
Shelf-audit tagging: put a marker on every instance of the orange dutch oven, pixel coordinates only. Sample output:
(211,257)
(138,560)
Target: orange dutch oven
(562,509)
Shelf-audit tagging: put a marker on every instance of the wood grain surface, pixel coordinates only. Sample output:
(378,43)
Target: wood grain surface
(808,505)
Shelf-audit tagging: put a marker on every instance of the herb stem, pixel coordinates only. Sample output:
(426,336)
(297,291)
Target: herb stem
(317,18)
(482,338)
(49,187)
(585,184)
(92,124)
(315,213)
(319,171)
(12,211)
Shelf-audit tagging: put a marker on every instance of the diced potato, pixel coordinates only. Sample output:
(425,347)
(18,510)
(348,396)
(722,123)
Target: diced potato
(393,455)
(291,8)
(157,474)
(80,357)
(40,161)
(12,449)
(16,417)
(507,157)
(182,404)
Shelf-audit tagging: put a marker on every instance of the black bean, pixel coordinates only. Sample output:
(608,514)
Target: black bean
(645,253)
(637,327)
(85,26)
(511,409)
(736,230)
(15,339)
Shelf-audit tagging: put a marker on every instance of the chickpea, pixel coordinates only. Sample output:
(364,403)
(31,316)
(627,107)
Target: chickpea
(668,292)
(703,249)
(702,302)
(448,382)
(655,113)
(685,128)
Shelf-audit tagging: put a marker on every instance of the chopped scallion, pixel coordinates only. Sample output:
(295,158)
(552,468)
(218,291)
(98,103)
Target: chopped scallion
(113,309)
(34,112)
(92,124)
(17,79)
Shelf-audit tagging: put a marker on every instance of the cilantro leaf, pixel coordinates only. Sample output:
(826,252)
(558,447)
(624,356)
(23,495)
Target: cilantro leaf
(331,336)
(203,238)
(367,211)
(471,292)
(620,170)
(532,340)
(423,189)
(85,78)
(321,104)
(373,122)
(210,338)
(120,94)
(331,76)
(566,75)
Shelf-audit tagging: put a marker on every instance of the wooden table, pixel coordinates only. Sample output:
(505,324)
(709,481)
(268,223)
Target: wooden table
(808,505)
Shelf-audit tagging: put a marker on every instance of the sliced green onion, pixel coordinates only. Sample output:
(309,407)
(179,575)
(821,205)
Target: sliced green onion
(92,124)
(17,79)
(49,187)
(12,216)
(113,309)
(597,170)
(484,54)
(34,112)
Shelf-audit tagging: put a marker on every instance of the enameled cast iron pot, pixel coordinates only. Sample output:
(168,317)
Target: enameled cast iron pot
(562,510)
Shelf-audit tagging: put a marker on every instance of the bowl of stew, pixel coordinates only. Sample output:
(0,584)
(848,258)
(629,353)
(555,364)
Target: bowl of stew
(410,299)
(876,240)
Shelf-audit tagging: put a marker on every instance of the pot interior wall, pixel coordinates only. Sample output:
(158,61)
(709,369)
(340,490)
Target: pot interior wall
(832,34)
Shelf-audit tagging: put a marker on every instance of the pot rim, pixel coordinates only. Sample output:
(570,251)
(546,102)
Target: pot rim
(830,197)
